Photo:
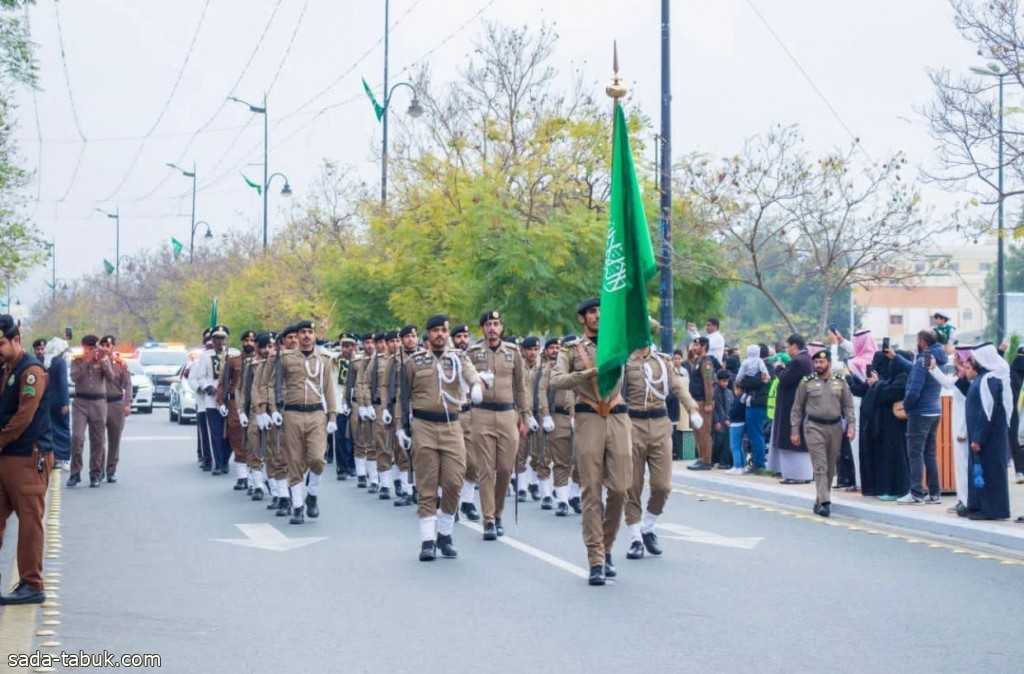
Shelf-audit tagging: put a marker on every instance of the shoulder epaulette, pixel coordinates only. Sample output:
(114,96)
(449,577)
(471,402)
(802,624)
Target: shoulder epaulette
(810,377)
(475,347)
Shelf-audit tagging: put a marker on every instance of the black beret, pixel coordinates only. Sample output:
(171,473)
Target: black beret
(437,321)
(303,325)
(379,335)
(108,339)
(459,329)
(367,336)
(206,333)
(288,330)
(569,339)
(407,330)
(263,339)
(248,334)
(530,342)
(38,342)
(347,338)
(220,331)
(391,334)
(88,340)
(553,341)
(824,354)
(490,315)
(8,326)
(588,304)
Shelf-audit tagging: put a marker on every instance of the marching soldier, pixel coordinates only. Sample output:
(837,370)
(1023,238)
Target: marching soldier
(823,402)
(119,405)
(460,338)
(603,453)
(558,440)
(90,372)
(402,463)
(430,403)
(254,440)
(228,406)
(537,473)
(499,420)
(364,442)
(302,384)
(204,377)
(374,397)
(270,388)
(649,379)
(342,440)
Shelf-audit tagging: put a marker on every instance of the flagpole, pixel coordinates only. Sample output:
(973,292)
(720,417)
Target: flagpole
(665,187)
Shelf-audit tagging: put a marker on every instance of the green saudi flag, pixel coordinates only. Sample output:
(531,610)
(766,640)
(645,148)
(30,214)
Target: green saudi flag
(628,265)
(255,186)
(373,99)
(213,314)
(107,267)
(176,248)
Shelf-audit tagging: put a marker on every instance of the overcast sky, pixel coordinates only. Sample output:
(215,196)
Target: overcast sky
(731,79)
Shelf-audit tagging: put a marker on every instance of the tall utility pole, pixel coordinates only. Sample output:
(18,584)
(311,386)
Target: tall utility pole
(384,118)
(266,165)
(665,186)
(190,174)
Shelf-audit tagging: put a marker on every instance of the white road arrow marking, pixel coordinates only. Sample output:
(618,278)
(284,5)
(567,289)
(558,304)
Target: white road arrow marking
(708,538)
(267,537)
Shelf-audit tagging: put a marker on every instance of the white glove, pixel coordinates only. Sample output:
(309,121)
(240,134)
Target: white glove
(531,423)
(487,378)
(476,394)
(362,413)
(243,419)
(277,418)
(696,420)
(385,416)
(404,441)
(548,423)
(344,410)
(263,421)
(371,413)
(332,427)
(223,409)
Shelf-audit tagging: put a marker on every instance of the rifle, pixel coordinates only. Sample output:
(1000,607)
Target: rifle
(536,408)
(247,377)
(403,384)
(225,377)
(278,396)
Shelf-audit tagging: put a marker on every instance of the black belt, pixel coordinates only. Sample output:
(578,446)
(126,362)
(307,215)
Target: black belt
(467,407)
(115,399)
(587,409)
(91,396)
(563,410)
(303,408)
(375,401)
(495,407)
(826,422)
(648,414)
(436,417)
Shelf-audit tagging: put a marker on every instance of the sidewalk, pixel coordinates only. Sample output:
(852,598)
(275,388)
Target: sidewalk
(928,519)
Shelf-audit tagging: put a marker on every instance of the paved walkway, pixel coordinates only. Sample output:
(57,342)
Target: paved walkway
(929,519)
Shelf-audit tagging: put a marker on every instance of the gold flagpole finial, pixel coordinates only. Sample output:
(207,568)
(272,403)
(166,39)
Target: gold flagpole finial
(616,89)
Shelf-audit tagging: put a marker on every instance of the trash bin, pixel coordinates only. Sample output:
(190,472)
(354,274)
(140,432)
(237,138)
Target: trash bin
(689,445)
(944,448)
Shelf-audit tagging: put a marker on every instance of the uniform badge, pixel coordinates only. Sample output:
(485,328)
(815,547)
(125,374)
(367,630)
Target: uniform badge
(30,379)
(10,380)
(28,391)
(509,357)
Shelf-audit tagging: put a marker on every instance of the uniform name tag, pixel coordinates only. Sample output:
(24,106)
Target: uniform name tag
(423,361)
(481,356)
(509,357)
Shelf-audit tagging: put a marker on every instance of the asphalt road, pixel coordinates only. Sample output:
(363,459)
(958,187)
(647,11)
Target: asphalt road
(144,570)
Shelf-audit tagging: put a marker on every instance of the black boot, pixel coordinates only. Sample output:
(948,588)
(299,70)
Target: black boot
(651,543)
(257,494)
(404,500)
(547,503)
(373,488)
(636,550)
(500,530)
(428,553)
(561,509)
(575,504)
(521,496)
(596,575)
(489,532)
(94,480)
(240,484)
(534,492)
(470,511)
(274,504)
(826,509)
(361,481)
(298,517)
(342,475)
(23,594)
(444,544)
(284,506)
(384,494)
(74,479)
(312,509)
(609,568)
(398,488)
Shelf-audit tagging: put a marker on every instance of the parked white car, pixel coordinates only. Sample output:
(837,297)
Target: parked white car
(142,388)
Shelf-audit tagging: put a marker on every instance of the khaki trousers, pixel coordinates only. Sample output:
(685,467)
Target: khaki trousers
(652,448)
(560,448)
(496,438)
(23,492)
(88,415)
(115,428)
(383,442)
(522,454)
(362,438)
(702,435)
(235,437)
(823,443)
(540,455)
(277,467)
(472,467)
(604,458)
(303,443)
(253,460)
(438,460)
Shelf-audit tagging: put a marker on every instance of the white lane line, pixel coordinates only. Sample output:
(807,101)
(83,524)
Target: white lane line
(692,535)
(536,553)
(151,438)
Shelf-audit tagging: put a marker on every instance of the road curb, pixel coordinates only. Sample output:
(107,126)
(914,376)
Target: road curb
(925,519)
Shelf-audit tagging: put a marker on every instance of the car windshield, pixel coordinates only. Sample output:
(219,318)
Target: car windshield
(154,357)
(134,367)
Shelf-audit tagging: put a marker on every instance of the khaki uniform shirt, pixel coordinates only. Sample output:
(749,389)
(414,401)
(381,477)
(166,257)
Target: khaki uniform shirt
(228,382)
(121,385)
(536,391)
(246,384)
(571,372)
(427,392)
(648,393)
(305,381)
(91,376)
(509,385)
(563,399)
(825,399)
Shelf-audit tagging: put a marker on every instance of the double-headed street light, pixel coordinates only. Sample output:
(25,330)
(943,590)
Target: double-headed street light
(414,110)
(192,238)
(287,190)
(116,215)
(189,174)
(994,70)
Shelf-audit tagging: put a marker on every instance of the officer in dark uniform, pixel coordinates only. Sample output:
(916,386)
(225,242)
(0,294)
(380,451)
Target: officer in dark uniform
(823,402)
(26,458)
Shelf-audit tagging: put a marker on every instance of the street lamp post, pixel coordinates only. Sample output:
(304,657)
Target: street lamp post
(994,70)
(116,215)
(415,110)
(190,174)
(262,110)
(53,269)
(192,237)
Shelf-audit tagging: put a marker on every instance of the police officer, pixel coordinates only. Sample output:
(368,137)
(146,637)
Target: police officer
(559,440)
(254,441)
(90,372)
(228,407)
(603,448)
(649,382)
(430,404)
(266,389)
(204,377)
(26,458)
(500,419)
(460,338)
(119,404)
(823,403)
(702,389)
(400,466)
(361,426)
(535,476)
